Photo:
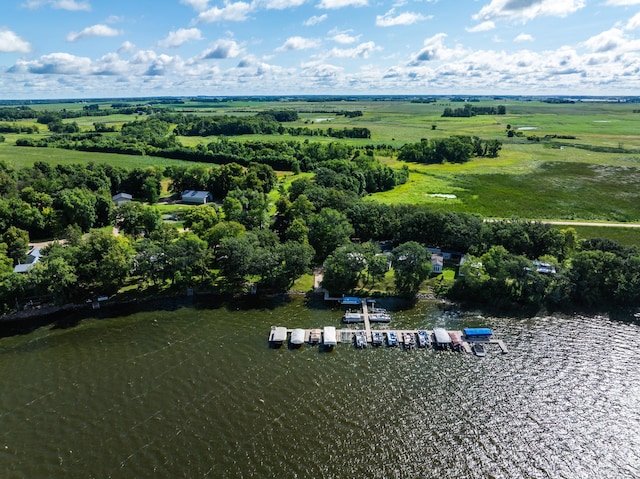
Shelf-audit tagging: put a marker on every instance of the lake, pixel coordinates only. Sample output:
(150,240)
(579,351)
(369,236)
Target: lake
(195,391)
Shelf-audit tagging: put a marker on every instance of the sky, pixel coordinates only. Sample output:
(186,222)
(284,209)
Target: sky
(131,48)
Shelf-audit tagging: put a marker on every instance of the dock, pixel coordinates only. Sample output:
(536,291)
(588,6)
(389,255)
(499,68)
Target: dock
(347,335)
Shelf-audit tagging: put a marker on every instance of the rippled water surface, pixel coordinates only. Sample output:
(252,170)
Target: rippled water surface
(197,392)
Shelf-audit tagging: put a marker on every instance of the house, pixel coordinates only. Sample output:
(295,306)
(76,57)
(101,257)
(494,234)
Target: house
(121,198)
(196,197)
(33,256)
(437,263)
(544,268)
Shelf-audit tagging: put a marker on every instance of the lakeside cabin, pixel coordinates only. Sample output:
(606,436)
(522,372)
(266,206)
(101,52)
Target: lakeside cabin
(441,338)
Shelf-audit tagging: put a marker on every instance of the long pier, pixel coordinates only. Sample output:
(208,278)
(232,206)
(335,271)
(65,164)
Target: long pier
(346,335)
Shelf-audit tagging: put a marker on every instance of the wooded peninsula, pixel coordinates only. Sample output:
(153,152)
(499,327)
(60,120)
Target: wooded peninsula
(495,201)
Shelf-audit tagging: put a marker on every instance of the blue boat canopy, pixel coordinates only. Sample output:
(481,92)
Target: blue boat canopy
(475,332)
(351,300)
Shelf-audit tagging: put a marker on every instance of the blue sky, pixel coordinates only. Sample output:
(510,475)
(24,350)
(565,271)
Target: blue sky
(117,48)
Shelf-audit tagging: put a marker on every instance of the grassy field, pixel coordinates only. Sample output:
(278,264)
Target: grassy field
(548,179)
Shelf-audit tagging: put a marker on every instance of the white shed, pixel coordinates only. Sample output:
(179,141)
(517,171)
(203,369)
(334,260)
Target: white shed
(196,197)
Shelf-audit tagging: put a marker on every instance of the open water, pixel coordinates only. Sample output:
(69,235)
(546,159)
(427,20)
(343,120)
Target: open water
(196,392)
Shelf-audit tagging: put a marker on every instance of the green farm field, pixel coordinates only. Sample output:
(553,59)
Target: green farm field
(591,174)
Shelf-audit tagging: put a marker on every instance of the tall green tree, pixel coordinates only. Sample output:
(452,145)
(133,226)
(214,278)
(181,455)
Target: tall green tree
(411,265)
(328,230)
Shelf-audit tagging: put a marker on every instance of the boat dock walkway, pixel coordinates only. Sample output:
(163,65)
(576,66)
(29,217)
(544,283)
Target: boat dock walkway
(347,335)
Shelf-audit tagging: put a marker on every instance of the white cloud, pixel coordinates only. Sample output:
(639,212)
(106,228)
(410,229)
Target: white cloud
(71,5)
(181,36)
(221,49)
(12,43)
(127,47)
(435,49)
(343,38)
(482,27)
(197,5)
(234,12)
(390,19)
(622,3)
(633,23)
(361,51)
(524,10)
(55,63)
(279,4)
(315,20)
(99,30)
(523,37)
(334,4)
(606,41)
(298,43)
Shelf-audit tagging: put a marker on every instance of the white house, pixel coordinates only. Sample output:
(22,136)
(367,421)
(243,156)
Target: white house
(196,197)
(437,263)
(33,256)
(121,198)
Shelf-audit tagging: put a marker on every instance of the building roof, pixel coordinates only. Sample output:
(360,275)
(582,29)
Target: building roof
(195,194)
(122,196)
(33,256)
(468,332)
(350,300)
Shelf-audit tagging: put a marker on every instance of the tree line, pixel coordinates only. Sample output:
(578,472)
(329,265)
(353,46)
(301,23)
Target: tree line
(469,110)
(455,149)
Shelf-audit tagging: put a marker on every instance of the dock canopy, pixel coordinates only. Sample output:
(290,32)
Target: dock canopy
(278,334)
(477,332)
(329,336)
(350,301)
(297,336)
(441,336)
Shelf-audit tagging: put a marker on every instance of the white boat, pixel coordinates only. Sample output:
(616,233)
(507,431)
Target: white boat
(377,338)
(297,337)
(352,317)
(329,336)
(423,339)
(392,338)
(361,339)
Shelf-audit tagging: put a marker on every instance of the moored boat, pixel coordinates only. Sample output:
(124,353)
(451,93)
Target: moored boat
(409,340)
(352,317)
(377,338)
(456,342)
(392,338)
(423,339)
(478,350)
(361,339)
